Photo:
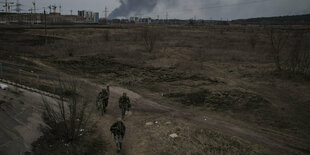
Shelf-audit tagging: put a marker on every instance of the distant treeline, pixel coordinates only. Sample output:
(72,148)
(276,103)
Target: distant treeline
(296,19)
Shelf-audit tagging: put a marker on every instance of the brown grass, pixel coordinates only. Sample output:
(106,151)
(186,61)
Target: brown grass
(217,58)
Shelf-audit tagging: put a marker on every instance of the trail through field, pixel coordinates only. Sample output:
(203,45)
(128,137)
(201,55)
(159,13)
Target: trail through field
(142,106)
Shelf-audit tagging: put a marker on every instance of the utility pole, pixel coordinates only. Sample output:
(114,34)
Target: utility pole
(6,5)
(18,9)
(59,8)
(34,12)
(30,11)
(45,26)
(54,8)
(106,12)
(157,19)
(34,7)
(50,7)
(7,9)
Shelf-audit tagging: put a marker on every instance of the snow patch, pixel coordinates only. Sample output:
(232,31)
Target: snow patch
(3,86)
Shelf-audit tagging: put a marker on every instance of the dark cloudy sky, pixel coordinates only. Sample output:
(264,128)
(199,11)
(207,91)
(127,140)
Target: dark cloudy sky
(183,9)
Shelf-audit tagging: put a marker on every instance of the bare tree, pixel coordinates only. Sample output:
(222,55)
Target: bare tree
(278,40)
(150,37)
(68,124)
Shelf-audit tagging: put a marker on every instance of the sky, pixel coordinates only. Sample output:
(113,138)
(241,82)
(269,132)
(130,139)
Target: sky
(179,9)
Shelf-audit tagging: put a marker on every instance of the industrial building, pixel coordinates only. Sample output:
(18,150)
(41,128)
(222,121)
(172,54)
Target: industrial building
(51,18)
(89,16)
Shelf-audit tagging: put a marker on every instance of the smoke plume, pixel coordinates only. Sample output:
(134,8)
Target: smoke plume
(136,7)
(139,7)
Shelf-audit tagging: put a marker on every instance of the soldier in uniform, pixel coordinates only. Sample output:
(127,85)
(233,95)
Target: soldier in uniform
(118,130)
(103,100)
(124,104)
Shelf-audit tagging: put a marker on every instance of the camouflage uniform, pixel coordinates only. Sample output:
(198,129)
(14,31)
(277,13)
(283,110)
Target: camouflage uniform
(103,100)
(118,130)
(124,104)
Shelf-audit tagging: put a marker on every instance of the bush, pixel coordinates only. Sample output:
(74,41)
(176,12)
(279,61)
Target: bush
(296,59)
(197,98)
(69,129)
(150,37)
(106,35)
(299,57)
(253,41)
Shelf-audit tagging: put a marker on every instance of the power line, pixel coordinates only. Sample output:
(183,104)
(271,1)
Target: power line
(34,6)
(106,12)
(18,5)
(59,8)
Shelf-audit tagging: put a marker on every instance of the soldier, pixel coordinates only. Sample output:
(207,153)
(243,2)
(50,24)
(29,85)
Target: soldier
(103,100)
(118,130)
(108,89)
(124,104)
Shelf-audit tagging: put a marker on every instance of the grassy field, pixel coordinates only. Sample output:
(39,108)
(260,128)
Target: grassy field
(227,71)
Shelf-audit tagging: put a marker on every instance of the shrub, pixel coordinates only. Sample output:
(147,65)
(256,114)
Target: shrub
(296,59)
(253,41)
(69,129)
(106,35)
(150,37)
(299,57)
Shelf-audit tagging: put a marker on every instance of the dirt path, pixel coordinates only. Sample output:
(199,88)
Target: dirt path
(230,127)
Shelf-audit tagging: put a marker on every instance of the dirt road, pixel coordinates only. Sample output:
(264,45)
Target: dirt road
(144,109)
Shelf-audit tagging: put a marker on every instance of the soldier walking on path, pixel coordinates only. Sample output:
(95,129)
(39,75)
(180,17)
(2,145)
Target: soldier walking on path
(103,100)
(118,130)
(124,104)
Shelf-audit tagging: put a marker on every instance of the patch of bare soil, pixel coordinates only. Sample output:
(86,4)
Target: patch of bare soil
(20,119)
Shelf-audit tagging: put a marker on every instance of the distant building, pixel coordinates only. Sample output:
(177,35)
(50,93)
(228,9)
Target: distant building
(38,18)
(146,20)
(134,19)
(140,20)
(96,17)
(89,16)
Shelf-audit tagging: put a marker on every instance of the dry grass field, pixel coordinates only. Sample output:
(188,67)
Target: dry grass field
(224,89)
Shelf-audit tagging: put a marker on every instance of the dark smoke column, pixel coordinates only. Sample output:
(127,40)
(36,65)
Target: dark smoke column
(128,7)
